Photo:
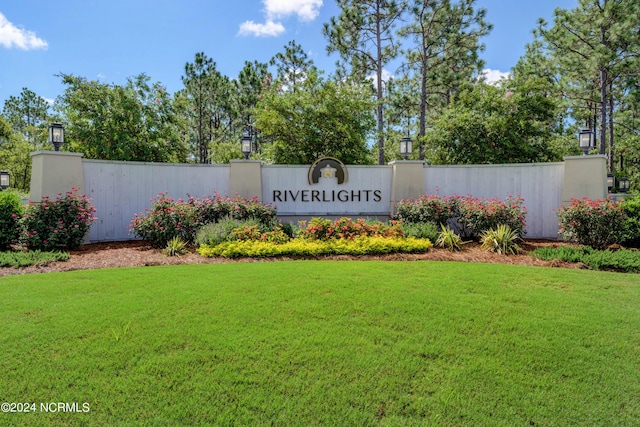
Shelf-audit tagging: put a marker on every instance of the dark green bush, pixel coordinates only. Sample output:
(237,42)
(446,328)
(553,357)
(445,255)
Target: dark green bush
(10,215)
(421,230)
(631,208)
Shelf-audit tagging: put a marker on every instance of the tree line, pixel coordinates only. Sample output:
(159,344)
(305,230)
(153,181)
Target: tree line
(580,71)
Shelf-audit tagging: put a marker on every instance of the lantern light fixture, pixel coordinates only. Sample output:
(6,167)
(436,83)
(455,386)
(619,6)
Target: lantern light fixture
(587,140)
(406,147)
(56,135)
(623,185)
(5,180)
(246,146)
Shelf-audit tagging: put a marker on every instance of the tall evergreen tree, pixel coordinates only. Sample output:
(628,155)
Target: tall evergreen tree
(292,66)
(598,43)
(364,37)
(444,42)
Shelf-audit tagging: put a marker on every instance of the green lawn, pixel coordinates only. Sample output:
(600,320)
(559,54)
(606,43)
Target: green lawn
(337,343)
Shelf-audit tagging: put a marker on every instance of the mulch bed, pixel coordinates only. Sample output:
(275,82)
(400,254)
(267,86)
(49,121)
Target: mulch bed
(136,253)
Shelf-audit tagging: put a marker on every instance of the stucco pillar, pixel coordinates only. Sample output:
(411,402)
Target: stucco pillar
(584,176)
(55,172)
(407,181)
(245,178)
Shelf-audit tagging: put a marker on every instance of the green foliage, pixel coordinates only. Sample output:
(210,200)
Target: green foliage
(501,239)
(631,208)
(137,121)
(488,124)
(17,259)
(448,239)
(364,36)
(596,223)
(10,214)
(27,118)
(176,247)
(57,224)
(302,247)
(208,103)
(421,230)
(331,119)
(168,218)
(622,260)
(346,228)
(215,233)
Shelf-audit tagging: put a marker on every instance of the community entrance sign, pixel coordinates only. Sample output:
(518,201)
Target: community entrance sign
(327,188)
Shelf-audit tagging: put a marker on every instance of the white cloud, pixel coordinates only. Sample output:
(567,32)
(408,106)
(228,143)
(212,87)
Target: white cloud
(386,76)
(268,29)
(306,10)
(493,76)
(275,11)
(12,36)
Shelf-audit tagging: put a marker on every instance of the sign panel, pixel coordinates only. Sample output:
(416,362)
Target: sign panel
(327,187)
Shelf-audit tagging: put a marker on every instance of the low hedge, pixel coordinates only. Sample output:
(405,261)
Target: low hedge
(304,247)
(622,260)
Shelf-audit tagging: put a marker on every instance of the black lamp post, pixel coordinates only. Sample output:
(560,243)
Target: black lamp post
(406,147)
(623,185)
(587,140)
(56,136)
(611,181)
(246,146)
(5,180)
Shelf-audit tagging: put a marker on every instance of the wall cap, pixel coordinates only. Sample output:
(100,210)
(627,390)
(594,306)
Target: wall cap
(55,153)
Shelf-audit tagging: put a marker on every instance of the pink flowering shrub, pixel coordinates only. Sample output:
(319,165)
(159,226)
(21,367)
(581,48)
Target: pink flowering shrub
(346,228)
(168,218)
(57,224)
(213,209)
(476,215)
(10,213)
(469,216)
(432,208)
(596,223)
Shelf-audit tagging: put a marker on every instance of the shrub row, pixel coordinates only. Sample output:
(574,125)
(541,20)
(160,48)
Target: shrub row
(24,259)
(52,224)
(622,260)
(302,247)
(168,218)
(469,216)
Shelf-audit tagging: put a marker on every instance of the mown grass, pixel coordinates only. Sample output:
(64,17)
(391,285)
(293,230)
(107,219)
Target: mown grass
(324,343)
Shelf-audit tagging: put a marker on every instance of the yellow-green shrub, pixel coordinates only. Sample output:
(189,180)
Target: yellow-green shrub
(303,247)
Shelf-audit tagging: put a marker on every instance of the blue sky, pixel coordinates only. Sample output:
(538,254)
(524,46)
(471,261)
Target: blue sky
(115,39)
